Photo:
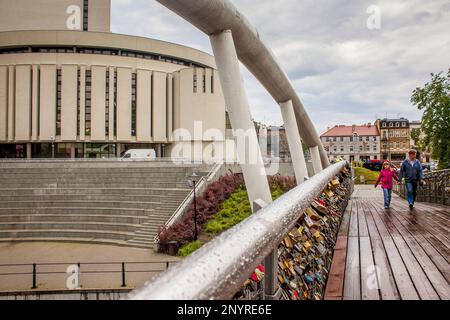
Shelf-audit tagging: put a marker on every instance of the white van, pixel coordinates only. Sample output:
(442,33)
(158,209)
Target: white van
(139,154)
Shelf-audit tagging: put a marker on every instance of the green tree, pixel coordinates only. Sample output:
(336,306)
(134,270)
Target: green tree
(416,136)
(434,99)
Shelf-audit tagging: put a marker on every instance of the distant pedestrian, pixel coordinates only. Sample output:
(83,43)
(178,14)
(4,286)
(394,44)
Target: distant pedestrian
(386,175)
(412,171)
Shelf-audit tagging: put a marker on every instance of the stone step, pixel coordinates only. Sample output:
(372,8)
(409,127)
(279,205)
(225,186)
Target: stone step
(35,185)
(109,172)
(64,233)
(87,226)
(87,203)
(75,218)
(165,199)
(100,169)
(98,190)
(122,243)
(152,222)
(79,210)
(94,180)
(144,244)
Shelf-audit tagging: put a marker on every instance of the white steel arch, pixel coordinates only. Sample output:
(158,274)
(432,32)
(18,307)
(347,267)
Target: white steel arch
(215,16)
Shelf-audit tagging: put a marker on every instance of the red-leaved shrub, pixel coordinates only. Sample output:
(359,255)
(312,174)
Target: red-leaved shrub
(208,204)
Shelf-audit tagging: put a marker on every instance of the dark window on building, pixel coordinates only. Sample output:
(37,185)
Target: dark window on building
(195,82)
(107,103)
(58,101)
(133,104)
(342,139)
(115,103)
(87,103)
(204,83)
(85,15)
(102,51)
(212,82)
(78,100)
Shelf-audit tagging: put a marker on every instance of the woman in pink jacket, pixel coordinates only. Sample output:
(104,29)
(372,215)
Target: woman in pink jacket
(386,176)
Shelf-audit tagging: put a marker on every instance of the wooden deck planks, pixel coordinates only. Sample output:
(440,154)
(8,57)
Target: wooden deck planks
(388,288)
(335,284)
(420,280)
(437,279)
(391,254)
(352,282)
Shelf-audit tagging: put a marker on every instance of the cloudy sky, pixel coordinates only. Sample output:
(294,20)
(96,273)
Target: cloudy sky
(344,72)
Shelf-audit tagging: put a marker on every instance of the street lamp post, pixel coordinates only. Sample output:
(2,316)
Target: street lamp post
(193,180)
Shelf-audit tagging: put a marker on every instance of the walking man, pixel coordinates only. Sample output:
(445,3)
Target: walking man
(412,171)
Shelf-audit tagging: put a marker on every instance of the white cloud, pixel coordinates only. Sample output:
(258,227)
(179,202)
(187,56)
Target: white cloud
(336,64)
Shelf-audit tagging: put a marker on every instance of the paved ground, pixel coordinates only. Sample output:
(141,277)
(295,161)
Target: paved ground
(391,253)
(54,276)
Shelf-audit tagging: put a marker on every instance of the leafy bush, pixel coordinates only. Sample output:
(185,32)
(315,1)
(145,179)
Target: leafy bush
(227,200)
(207,204)
(234,210)
(187,249)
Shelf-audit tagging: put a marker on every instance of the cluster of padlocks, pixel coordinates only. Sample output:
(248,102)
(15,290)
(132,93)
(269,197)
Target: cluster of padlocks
(306,253)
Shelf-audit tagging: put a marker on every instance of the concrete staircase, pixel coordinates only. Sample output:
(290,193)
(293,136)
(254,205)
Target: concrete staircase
(111,202)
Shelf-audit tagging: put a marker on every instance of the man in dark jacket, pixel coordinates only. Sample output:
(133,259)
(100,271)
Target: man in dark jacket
(412,171)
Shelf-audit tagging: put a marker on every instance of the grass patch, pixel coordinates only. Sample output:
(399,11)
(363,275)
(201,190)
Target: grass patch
(187,249)
(234,210)
(369,176)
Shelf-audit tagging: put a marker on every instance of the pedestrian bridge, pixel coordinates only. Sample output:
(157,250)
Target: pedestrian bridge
(379,254)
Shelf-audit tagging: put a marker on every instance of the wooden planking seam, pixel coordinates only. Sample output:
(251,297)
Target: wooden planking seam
(400,274)
(435,276)
(418,277)
(432,252)
(388,287)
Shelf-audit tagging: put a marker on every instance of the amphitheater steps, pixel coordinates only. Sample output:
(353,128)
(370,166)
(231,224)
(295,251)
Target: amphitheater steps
(109,202)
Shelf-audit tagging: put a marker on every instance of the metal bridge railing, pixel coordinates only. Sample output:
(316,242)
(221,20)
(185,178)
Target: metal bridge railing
(219,268)
(33,271)
(436,189)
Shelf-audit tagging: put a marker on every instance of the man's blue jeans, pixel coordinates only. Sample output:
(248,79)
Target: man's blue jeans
(411,187)
(387,197)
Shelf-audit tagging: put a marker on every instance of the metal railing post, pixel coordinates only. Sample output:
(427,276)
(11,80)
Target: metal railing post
(123,275)
(34,276)
(270,284)
(79,274)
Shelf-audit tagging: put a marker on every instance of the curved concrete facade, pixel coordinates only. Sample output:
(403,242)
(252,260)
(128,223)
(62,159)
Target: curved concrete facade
(112,91)
(214,16)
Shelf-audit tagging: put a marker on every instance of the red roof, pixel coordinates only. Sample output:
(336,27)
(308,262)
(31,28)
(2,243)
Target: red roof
(348,131)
